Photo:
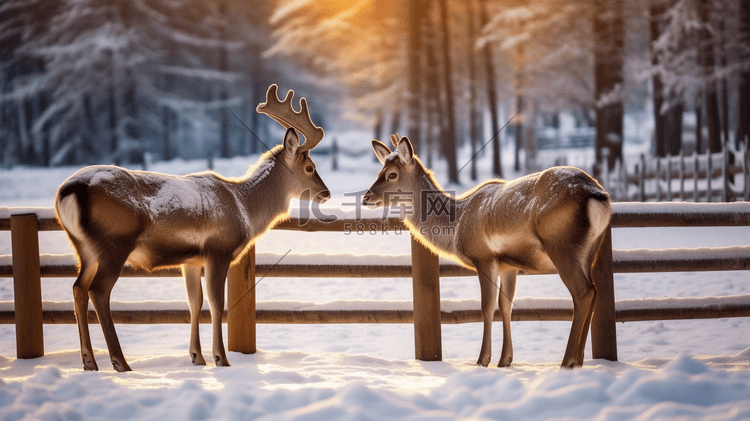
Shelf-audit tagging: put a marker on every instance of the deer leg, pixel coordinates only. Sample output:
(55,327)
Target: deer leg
(216,273)
(100,292)
(488,289)
(505,301)
(585,331)
(81,309)
(583,293)
(192,275)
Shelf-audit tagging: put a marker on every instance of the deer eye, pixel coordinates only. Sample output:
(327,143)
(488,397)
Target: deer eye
(309,168)
(392,176)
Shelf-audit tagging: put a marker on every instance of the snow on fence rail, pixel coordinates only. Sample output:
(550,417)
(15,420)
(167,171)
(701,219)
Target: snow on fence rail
(426,311)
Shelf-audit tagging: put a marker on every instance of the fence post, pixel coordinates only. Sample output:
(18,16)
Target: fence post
(658,179)
(725,192)
(605,180)
(710,172)
(241,304)
(27,286)
(696,175)
(682,175)
(642,178)
(603,326)
(669,177)
(425,267)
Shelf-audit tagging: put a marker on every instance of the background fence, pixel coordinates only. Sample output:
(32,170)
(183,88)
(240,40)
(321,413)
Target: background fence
(29,313)
(707,177)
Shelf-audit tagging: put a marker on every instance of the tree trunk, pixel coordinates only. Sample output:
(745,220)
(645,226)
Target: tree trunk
(245,135)
(86,148)
(114,144)
(608,77)
(497,168)
(130,105)
(396,122)
(707,63)
(518,88)
(22,139)
(450,146)
(473,114)
(434,104)
(414,82)
(257,98)
(167,115)
(700,145)
(743,120)
(223,67)
(655,16)
(518,127)
(724,87)
(166,139)
(672,127)
(46,146)
(377,127)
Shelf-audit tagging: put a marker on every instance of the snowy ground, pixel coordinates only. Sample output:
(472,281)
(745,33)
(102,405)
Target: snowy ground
(671,369)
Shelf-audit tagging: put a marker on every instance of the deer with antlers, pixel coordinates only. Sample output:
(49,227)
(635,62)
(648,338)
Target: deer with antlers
(151,220)
(553,220)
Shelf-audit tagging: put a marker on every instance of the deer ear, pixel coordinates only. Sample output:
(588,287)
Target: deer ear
(291,142)
(381,151)
(405,150)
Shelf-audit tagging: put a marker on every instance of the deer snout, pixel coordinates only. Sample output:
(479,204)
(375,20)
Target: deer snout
(323,196)
(369,201)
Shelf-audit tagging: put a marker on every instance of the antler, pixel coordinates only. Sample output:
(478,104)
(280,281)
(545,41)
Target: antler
(284,114)
(395,138)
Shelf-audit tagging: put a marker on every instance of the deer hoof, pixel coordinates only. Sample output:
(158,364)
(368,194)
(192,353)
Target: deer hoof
(89,364)
(570,365)
(121,366)
(483,362)
(221,362)
(197,358)
(505,362)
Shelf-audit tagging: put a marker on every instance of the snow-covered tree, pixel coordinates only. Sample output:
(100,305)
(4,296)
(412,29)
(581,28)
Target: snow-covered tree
(115,75)
(701,46)
(20,21)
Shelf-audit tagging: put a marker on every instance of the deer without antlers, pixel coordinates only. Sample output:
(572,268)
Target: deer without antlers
(151,220)
(551,220)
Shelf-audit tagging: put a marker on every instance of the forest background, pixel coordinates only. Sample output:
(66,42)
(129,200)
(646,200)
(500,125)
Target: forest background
(129,81)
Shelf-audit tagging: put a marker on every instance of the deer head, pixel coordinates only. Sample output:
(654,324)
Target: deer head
(397,180)
(296,155)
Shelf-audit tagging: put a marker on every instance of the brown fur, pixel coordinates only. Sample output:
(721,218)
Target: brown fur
(151,220)
(552,220)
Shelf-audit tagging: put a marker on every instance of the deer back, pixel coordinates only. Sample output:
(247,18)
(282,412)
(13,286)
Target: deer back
(520,219)
(165,220)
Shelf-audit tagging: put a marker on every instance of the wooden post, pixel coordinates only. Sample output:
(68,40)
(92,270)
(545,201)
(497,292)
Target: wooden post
(27,286)
(605,169)
(725,192)
(658,179)
(426,287)
(710,175)
(603,327)
(669,177)
(682,175)
(241,305)
(696,175)
(642,178)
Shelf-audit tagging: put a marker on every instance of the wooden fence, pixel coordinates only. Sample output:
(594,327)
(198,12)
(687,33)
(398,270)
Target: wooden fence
(26,266)
(707,177)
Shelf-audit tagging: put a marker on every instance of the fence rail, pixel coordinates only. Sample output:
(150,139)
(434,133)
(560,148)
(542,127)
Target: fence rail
(26,266)
(709,177)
